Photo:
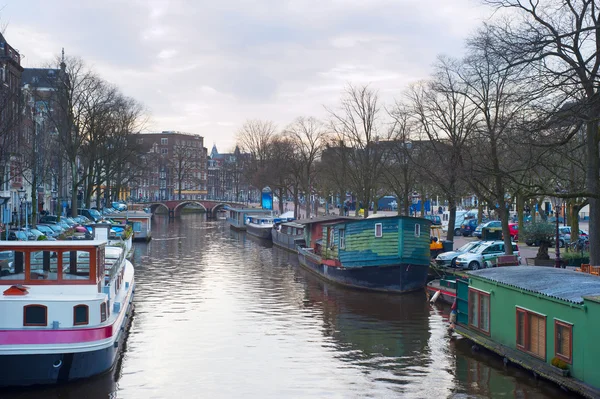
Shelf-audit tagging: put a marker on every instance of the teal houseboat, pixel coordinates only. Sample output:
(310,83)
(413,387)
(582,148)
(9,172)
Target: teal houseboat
(544,319)
(389,254)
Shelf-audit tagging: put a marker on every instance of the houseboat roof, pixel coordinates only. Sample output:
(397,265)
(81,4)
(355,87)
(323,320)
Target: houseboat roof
(293,224)
(567,285)
(326,218)
(74,244)
(248,210)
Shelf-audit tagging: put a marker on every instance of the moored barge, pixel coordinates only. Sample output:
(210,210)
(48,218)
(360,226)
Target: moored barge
(65,307)
(389,254)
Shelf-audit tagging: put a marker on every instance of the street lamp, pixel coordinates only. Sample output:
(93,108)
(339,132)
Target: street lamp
(54,195)
(22,198)
(557,206)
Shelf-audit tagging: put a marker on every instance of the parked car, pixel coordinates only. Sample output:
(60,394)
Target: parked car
(49,219)
(468,227)
(49,232)
(514,231)
(120,206)
(16,235)
(448,259)
(493,223)
(38,233)
(92,214)
(484,255)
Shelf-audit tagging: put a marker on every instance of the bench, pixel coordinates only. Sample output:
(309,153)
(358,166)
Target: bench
(507,260)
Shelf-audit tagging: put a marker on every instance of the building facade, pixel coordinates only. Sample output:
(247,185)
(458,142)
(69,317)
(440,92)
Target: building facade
(175,167)
(226,180)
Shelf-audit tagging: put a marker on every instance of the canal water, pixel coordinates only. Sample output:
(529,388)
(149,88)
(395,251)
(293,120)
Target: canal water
(222,315)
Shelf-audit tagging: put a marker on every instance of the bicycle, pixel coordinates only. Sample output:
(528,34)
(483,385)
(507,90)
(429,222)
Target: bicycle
(581,244)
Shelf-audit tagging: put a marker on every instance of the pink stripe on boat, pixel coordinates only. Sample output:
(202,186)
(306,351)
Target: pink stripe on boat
(42,337)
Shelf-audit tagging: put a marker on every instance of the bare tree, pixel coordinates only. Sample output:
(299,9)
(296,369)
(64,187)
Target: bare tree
(444,121)
(558,38)
(254,138)
(308,137)
(356,123)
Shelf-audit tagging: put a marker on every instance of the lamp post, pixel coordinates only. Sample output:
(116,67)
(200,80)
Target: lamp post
(53,206)
(22,198)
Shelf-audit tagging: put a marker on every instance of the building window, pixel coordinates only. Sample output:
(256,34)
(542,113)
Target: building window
(342,238)
(164,151)
(378,230)
(102,312)
(35,315)
(164,141)
(417,230)
(479,310)
(563,340)
(531,333)
(80,315)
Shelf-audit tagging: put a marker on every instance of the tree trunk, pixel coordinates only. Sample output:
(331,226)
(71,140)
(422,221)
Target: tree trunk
(479,212)
(592,177)
(74,192)
(451,219)
(574,220)
(34,200)
(520,210)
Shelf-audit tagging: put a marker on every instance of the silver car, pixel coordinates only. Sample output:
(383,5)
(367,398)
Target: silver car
(484,255)
(448,259)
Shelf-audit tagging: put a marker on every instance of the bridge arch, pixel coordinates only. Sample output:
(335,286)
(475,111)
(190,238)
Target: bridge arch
(177,210)
(154,207)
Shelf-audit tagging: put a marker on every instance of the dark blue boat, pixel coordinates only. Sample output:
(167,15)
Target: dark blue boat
(389,254)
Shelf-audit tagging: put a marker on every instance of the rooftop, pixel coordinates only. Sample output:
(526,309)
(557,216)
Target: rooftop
(567,285)
(326,218)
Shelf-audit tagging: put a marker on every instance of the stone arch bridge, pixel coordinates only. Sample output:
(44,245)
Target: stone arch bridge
(174,207)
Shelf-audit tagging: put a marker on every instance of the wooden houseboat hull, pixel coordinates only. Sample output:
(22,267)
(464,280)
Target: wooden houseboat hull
(393,278)
(260,232)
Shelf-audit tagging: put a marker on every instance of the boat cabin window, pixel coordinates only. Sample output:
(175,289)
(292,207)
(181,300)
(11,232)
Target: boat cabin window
(417,230)
(12,265)
(137,227)
(378,230)
(81,315)
(35,315)
(342,238)
(75,265)
(43,265)
(102,312)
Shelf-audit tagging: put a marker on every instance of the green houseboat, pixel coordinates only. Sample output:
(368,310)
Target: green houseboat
(543,319)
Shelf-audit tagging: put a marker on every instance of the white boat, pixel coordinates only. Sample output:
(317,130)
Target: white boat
(66,306)
(260,226)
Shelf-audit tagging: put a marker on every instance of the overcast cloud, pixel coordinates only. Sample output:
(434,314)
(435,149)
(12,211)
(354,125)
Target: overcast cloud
(206,66)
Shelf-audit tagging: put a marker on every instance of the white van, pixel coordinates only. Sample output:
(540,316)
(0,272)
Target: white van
(460,218)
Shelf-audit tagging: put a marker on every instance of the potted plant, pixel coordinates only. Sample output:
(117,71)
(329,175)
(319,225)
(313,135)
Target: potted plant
(561,366)
(542,234)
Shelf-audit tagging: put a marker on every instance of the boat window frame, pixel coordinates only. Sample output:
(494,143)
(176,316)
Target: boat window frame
(378,230)
(477,327)
(526,346)
(35,305)
(342,238)
(87,315)
(417,230)
(569,326)
(103,312)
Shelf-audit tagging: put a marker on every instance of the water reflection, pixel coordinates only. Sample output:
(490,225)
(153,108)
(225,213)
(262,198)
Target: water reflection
(220,314)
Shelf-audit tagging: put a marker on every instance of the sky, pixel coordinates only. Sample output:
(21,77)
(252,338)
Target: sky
(205,67)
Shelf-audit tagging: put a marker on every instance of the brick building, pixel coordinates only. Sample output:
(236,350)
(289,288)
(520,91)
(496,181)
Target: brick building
(175,167)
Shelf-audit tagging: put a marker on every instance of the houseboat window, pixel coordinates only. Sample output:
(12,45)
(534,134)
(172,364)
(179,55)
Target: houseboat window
(80,315)
(102,312)
(563,339)
(417,230)
(531,333)
(12,265)
(137,227)
(479,310)
(35,315)
(43,265)
(76,265)
(378,230)
(342,238)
